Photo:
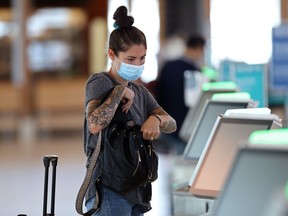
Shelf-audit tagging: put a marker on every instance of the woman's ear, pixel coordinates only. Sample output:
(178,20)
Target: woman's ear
(111,54)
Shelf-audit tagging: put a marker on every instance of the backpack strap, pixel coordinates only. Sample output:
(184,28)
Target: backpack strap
(87,180)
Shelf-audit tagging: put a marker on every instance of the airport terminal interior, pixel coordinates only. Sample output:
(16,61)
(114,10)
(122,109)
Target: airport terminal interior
(236,129)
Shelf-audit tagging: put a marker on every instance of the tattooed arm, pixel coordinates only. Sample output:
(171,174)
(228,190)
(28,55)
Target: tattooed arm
(100,116)
(168,124)
(158,121)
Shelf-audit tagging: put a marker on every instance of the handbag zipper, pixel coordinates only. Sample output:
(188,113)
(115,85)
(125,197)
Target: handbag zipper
(139,160)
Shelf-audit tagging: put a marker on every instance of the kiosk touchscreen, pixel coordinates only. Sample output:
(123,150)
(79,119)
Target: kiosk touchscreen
(212,109)
(208,90)
(256,174)
(222,145)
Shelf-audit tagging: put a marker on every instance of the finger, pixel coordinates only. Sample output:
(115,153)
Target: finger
(146,136)
(151,136)
(127,105)
(125,108)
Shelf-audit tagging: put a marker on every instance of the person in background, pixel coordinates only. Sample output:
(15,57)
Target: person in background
(170,88)
(127,51)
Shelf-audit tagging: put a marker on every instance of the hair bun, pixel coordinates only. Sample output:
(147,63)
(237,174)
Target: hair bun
(121,18)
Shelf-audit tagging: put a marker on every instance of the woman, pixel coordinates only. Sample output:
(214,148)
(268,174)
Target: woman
(127,51)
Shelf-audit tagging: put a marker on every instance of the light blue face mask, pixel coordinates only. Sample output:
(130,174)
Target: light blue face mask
(130,72)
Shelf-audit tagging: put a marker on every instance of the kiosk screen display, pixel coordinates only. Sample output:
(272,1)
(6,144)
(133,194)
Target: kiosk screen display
(203,128)
(219,153)
(256,175)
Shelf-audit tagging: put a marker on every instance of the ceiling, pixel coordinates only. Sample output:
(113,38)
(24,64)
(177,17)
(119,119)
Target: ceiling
(49,3)
(94,8)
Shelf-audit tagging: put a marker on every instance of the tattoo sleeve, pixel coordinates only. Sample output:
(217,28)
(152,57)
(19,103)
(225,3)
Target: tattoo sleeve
(102,114)
(168,124)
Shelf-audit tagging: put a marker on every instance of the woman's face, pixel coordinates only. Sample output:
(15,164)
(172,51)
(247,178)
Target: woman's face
(135,56)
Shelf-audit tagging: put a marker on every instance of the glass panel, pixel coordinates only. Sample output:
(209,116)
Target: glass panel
(241,31)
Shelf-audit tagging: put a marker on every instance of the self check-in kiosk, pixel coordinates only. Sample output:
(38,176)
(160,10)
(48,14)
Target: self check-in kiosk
(223,143)
(213,107)
(208,90)
(258,179)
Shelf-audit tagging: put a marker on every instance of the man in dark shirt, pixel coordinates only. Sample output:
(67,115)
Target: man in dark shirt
(170,88)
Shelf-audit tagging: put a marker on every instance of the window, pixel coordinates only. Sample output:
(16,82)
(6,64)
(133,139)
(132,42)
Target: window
(55,36)
(242,30)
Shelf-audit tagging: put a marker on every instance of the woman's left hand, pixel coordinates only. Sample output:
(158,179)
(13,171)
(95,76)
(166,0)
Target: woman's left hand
(150,129)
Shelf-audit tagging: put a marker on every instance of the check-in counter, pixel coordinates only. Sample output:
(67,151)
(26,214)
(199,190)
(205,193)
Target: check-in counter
(212,168)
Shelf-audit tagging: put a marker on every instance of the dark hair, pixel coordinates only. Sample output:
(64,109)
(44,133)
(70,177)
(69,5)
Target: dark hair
(125,35)
(195,41)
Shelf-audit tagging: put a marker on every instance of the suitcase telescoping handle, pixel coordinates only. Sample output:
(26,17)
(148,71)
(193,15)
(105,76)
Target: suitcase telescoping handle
(53,159)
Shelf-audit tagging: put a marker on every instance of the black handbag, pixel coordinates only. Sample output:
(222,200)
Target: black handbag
(127,160)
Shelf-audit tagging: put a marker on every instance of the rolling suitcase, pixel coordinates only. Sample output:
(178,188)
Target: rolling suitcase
(53,159)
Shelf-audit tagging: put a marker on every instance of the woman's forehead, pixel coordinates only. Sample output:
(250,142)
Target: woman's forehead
(135,50)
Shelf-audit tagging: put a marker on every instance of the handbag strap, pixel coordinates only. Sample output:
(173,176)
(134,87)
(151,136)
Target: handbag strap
(87,180)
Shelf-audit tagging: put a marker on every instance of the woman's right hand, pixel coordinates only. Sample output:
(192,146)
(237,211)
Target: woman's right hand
(127,99)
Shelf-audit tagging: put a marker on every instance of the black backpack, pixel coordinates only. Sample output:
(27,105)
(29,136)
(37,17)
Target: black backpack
(127,161)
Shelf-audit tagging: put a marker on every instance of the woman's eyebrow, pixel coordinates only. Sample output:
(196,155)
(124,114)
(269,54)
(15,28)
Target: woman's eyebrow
(134,57)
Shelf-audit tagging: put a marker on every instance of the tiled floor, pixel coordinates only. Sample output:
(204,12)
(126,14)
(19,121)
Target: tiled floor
(22,176)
